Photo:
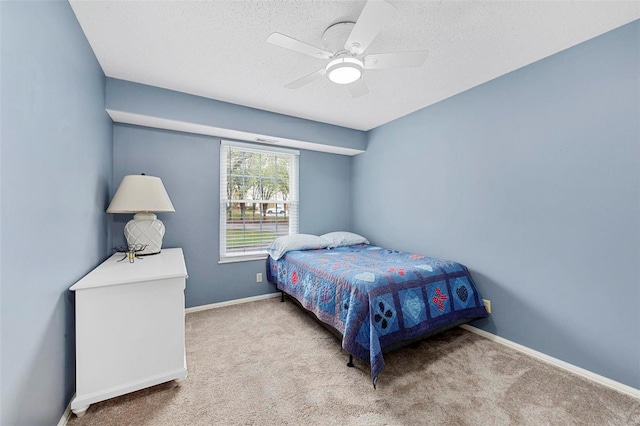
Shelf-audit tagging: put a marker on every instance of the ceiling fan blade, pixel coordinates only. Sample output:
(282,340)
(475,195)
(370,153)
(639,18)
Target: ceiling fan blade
(415,58)
(371,20)
(306,79)
(358,88)
(297,46)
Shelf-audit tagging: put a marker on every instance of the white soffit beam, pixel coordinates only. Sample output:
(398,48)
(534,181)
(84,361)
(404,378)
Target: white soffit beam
(200,129)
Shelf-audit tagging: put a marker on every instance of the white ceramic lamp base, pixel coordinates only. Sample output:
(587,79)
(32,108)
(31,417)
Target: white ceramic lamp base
(145,229)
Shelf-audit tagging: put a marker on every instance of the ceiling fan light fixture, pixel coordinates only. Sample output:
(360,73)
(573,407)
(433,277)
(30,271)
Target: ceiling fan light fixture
(344,70)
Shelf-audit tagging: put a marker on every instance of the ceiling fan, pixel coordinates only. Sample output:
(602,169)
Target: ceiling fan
(344,44)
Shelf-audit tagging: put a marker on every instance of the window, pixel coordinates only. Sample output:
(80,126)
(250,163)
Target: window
(258,198)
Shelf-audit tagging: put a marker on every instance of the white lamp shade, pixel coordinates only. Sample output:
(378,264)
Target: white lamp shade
(140,193)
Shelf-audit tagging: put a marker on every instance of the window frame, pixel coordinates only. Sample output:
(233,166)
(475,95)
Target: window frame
(293,202)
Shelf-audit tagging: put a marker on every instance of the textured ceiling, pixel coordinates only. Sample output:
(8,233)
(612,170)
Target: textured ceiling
(217,49)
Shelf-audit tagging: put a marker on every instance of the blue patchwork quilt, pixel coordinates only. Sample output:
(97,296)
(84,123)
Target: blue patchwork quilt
(377,297)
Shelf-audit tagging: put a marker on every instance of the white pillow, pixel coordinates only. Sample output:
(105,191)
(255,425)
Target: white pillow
(342,238)
(281,245)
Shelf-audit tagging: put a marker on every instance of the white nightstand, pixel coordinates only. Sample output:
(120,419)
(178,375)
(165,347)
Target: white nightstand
(129,326)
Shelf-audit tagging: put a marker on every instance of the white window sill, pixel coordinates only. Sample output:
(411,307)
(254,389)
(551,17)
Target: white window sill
(234,259)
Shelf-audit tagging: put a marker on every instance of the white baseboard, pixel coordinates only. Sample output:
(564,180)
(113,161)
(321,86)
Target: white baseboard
(620,387)
(67,414)
(231,302)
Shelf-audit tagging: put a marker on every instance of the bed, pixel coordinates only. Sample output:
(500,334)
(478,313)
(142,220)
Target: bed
(375,298)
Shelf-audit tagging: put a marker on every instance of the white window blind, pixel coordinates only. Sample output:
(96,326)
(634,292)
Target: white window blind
(258,198)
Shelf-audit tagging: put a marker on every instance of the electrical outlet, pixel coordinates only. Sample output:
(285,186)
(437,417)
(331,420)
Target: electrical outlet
(487,304)
(259,277)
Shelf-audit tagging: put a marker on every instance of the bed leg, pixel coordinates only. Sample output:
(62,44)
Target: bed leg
(350,363)
(282,296)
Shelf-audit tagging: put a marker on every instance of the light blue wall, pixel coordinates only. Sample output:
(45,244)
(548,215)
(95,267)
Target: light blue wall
(55,174)
(533,181)
(189,168)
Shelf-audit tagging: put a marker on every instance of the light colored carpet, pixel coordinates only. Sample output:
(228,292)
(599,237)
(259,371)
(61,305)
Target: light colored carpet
(269,363)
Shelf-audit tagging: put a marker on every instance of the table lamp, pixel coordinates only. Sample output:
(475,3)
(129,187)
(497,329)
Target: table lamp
(144,196)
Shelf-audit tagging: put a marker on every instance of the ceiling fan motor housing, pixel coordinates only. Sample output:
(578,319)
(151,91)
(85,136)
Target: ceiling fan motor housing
(334,37)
